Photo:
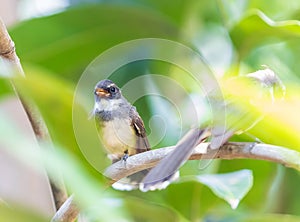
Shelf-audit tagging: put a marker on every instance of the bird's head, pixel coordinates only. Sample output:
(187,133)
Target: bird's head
(107,89)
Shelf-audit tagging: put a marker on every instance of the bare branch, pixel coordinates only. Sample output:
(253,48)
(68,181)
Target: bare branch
(7,47)
(235,150)
(7,52)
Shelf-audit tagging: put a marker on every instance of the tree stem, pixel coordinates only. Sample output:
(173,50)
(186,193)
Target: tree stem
(8,53)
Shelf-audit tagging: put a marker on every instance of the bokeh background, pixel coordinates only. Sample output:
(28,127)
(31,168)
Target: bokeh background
(57,40)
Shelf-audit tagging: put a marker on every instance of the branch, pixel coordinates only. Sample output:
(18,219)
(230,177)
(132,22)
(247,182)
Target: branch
(8,52)
(7,48)
(67,212)
(229,151)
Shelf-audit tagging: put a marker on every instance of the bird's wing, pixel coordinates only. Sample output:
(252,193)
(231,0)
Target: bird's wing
(142,143)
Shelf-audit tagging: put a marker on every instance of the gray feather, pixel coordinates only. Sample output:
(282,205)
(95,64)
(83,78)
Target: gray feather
(167,167)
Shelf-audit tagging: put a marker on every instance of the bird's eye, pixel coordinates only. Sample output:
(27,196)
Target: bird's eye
(112,89)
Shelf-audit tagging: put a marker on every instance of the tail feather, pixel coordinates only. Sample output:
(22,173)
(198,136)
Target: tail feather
(131,182)
(159,177)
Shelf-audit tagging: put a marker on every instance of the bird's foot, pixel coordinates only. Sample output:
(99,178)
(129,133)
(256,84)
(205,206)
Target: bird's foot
(125,156)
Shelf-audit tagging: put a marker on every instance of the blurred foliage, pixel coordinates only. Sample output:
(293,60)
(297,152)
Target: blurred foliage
(234,37)
(231,187)
(17,214)
(244,34)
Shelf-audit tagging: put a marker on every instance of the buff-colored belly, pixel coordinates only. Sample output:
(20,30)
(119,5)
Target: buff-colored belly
(118,136)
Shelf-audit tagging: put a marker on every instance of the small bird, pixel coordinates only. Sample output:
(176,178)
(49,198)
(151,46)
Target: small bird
(121,128)
(235,119)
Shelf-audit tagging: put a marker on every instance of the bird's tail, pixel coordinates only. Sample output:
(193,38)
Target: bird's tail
(131,182)
(164,172)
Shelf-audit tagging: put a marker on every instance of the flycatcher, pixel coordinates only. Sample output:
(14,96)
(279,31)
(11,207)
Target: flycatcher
(121,128)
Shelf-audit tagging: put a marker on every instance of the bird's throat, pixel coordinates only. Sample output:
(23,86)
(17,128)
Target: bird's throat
(107,105)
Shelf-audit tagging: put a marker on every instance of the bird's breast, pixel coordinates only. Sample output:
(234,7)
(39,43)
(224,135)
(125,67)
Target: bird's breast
(117,136)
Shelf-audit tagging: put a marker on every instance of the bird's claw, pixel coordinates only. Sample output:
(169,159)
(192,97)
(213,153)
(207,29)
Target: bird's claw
(125,157)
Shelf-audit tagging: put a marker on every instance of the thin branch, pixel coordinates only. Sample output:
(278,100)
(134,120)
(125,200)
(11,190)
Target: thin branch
(234,150)
(7,52)
(67,212)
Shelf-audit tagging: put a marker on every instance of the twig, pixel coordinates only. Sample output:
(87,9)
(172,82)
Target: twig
(67,212)
(235,150)
(7,52)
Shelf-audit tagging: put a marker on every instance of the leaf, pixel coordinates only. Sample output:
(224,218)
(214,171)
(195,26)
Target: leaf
(5,87)
(19,214)
(234,10)
(76,39)
(276,128)
(53,97)
(6,71)
(58,161)
(252,216)
(279,123)
(149,211)
(231,187)
(281,129)
(256,29)
(271,217)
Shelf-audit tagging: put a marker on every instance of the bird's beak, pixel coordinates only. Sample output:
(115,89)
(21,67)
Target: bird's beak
(101,92)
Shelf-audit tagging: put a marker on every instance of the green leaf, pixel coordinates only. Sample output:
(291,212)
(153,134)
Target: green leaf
(282,130)
(76,36)
(19,214)
(53,97)
(271,217)
(273,127)
(231,187)
(223,215)
(6,71)
(256,29)
(234,10)
(5,87)
(148,211)
(89,193)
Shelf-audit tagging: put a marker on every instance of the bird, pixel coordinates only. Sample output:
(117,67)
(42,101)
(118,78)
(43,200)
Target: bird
(233,116)
(121,129)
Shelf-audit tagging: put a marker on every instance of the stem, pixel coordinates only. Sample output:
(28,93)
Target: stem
(67,212)
(8,52)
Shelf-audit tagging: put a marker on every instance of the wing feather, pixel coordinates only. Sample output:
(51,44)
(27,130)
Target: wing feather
(142,143)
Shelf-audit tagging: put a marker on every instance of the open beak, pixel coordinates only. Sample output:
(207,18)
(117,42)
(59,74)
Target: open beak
(102,92)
